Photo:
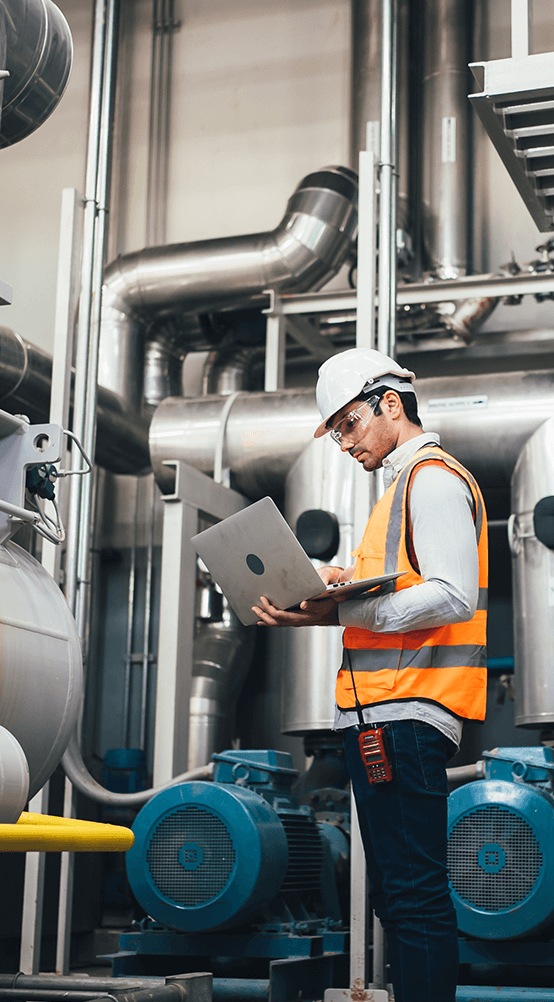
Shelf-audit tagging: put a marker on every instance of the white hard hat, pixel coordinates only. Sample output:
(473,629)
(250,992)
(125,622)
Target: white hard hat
(343,377)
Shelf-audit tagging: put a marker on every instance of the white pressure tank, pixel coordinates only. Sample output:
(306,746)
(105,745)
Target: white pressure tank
(40,663)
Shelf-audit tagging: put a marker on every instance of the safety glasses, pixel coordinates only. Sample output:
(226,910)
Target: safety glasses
(349,424)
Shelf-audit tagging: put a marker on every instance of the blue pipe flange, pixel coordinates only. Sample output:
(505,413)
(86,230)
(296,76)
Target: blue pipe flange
(501,858)
(206,856)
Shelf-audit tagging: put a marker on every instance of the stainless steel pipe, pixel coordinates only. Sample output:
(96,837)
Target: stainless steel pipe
(25,384)
(388,183)
(446,136)
(308,246)
(365,113)
(39,53)
(222,655)
(484,420)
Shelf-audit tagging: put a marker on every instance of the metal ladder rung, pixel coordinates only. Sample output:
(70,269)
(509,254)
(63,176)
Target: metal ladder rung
(543,172)
(531,130)
(520,109)
(535,151)
(545,191)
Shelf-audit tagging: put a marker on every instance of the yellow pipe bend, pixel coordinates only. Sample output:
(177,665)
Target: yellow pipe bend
(46,833)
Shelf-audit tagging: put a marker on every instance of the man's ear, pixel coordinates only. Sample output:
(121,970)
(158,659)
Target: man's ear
(393,402)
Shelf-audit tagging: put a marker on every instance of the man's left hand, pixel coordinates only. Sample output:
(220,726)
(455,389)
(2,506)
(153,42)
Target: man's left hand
(321,613)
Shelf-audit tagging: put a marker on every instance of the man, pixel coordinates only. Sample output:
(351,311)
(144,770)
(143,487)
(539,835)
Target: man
(414,659)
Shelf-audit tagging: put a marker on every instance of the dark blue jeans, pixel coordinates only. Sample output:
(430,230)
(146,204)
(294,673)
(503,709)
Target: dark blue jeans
(403,827)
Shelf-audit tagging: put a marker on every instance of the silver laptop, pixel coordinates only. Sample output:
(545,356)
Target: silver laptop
(255,553)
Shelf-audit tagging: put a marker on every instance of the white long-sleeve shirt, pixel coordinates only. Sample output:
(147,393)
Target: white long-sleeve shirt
(443,535)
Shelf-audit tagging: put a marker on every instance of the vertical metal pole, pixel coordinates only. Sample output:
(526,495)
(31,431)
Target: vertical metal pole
(275,338)
(130,624)
(85,299)
(367,233)
(176,635)
(86,374)
(389,183)
(521,28)
(33,896)
(66,300)
(379,979)
(366,493)
(66,304)
(147,620)
(358,908)
(163,26)
(65,908)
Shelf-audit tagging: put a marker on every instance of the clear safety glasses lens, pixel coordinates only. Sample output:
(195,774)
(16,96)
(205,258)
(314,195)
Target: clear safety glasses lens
(347,426)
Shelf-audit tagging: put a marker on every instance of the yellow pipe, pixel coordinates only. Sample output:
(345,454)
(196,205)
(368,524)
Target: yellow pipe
(45,833)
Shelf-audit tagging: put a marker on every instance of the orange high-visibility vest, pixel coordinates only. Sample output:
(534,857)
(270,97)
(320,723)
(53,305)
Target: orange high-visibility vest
(443,664)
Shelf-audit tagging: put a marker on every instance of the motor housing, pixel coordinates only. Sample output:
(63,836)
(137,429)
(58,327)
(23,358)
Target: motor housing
(501,846)
(211,855)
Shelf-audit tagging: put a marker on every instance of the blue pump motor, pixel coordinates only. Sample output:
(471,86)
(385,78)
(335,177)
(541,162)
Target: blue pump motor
(501,846)
(210,855)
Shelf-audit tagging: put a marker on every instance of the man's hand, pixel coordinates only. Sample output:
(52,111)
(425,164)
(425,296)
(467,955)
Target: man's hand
(332,575)
(321,613)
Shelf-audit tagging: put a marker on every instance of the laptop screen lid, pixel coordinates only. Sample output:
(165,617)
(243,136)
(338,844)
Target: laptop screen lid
(254,553)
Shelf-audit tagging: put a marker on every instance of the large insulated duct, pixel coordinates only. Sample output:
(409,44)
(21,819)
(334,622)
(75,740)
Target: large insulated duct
(531,536)
(306,249)
(484,420)
(446,136)
(38,56)
(25,383)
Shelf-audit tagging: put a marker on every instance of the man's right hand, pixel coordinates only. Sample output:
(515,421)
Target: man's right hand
(332,575)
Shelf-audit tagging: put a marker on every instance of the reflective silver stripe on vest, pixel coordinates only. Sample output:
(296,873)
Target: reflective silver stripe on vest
(394,528)
(482,601)
(440,656)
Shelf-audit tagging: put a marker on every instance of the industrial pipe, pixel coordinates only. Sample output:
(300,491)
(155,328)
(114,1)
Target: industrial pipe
(167,991)
(445,169)
(388,183)
(484,420)
(365,113)
(86,983)
(38,54)
(222,654)
(465,773)
(79,522)
(25,384)
(46,833)
(306,249)
(76,770)
(224,989)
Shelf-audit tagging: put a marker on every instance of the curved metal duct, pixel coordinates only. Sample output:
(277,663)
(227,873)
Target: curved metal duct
(484,420)
(25,382)
(308,246)
(39,53)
